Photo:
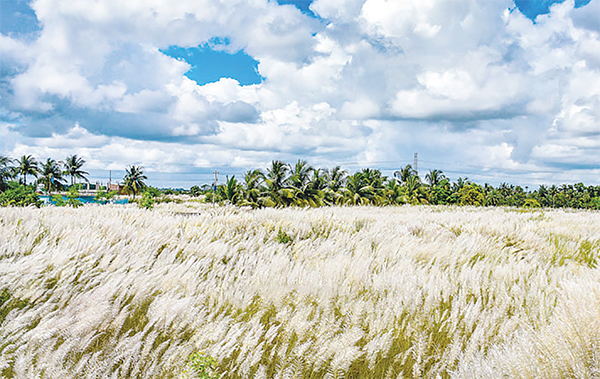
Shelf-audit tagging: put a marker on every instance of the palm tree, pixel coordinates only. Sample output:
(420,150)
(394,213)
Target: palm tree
(434,177)
(439,193)
(405,173)
(133,182)
(5,171)
(374,178)
(300,174)
(252,188)
(231,190)
(277,175)
(276,181)
(415,193)
(393,193)
(51,175)
(336,178)
(73,166)
(26,165)
(357,190)
(306,184)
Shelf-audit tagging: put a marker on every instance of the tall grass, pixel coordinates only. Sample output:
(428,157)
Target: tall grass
(401,292)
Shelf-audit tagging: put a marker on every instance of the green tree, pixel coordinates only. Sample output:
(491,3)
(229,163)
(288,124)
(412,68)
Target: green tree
(50,175)
(58,200)
(405,173)
(147,201)
(357,191)
(439,194)
(19,196)
(336,178)
(414,190)
(231,191)
(104,197)
(394,193)
(73,165)
(276,181)
(72,198)
(434,177)
(133,182)
(195,191)
(277,175)
(300,174)
(471,194)
(253,189)
(6,172)
(26,165)
(306,183)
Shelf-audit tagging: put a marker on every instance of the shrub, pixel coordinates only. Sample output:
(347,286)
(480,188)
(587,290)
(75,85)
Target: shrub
(19,196)
(72,198)
(58,200)
(471,194)
(203,366)
(531,203)
(104,197)
(153,192)
(195,191)
(147,200)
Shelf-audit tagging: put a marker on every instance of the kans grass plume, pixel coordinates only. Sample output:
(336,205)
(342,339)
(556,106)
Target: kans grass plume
(347,292)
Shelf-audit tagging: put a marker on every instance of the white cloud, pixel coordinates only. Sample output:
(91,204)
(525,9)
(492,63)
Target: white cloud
(375,80)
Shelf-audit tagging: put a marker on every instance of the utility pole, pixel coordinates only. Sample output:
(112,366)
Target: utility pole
(416,163)
(215,187)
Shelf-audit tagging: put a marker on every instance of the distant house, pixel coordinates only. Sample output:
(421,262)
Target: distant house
(115,187)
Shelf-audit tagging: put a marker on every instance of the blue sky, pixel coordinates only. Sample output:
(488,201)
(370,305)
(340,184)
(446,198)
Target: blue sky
(493,90)
(209,65)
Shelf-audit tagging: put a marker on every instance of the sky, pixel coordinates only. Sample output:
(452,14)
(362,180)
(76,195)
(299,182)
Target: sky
(496,91)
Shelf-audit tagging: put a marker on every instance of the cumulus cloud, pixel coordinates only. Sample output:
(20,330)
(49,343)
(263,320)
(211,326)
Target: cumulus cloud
(369,81)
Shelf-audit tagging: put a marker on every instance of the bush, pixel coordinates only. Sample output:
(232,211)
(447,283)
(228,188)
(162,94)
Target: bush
(58,200)
(195,191)
(203,366)
(531,203)
(72,198)
(147,201)
(19,196)
(471,194)
(154,192)
(104,197)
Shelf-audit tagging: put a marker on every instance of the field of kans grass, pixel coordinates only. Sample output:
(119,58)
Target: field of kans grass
(337,292)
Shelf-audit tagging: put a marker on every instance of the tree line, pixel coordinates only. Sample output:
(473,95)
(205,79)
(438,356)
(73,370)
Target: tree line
(52,176)
(301,184)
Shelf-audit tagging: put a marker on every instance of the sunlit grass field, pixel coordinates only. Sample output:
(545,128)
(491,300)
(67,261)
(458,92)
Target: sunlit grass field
(336,292)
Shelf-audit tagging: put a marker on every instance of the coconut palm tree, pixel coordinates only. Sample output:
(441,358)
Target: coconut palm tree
(276,183)
(51,175)
(393,194)
(336,178)
(300,174)
(133,182)
(26,165)
(374,178)
(231,190)
(415,193)
(253,188)
(306,184)
(73,166)
(405,173)
(277,175)
(6,171)
(434,177)
(357,190)
(440,193)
